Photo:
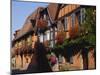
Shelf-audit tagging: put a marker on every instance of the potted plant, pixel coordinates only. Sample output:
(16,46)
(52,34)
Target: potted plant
(41,23)
(60,37)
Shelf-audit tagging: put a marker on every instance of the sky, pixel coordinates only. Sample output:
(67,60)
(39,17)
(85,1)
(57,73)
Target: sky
(21,10)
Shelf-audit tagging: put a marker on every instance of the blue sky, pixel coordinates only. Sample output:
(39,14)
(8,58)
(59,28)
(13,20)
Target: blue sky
(21,10)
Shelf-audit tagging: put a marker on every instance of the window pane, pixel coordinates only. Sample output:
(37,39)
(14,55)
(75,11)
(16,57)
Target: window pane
(41,38)
(48,35)
(51,43)
(79,17)
(44,17)
(29,40)
(51,35)
(65,25)
(49,23)
(73,20)
(82,15)
(45,37)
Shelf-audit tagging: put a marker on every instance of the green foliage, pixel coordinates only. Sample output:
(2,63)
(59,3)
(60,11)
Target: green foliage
(90,19)
(90,25)
(90,38)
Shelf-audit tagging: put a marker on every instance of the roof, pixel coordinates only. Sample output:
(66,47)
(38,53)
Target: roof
(27,27)
(52,10)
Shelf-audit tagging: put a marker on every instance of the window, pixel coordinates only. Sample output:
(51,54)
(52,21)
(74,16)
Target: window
(73,20)
(82,15)
(78,14)
(55,34)
(20,44)
(49,23)
(51,38)
(48,35)
(65,23)
(60,25)
(23,42)
(44,14)
(16,45)
(51,43)
(44,37)
(44,17)
(29,40)
(41,38)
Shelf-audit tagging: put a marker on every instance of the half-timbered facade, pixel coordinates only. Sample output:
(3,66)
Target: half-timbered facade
(50,25)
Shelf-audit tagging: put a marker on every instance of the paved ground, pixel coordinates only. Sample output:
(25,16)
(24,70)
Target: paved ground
(14,72)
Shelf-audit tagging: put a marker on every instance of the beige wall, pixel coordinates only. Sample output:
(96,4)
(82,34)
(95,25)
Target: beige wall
(91,60)
(18,61)
(77,62)
(22,64)
(67,9)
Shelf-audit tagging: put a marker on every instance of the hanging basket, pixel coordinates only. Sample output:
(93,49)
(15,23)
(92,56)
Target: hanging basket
(60,37)
(72,33)
(42,24)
